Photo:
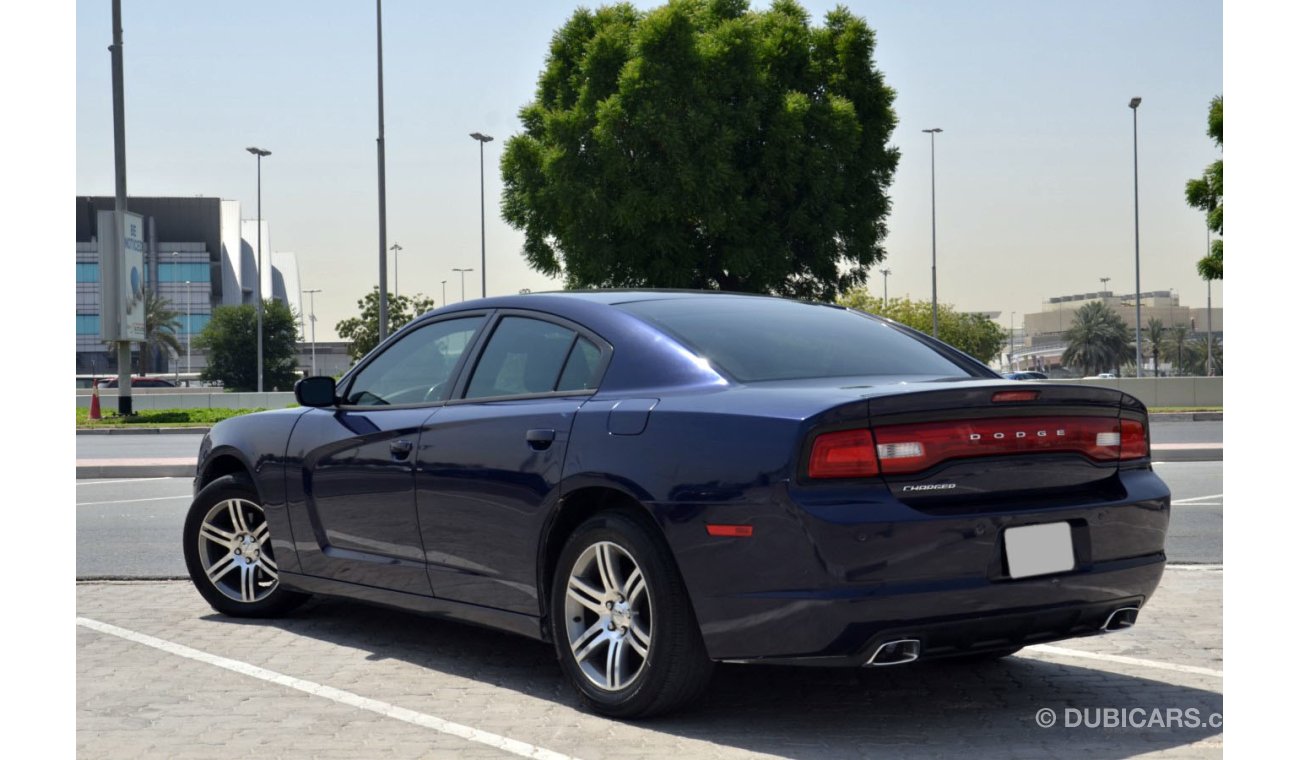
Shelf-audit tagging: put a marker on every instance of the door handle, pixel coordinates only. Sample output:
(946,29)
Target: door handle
(400,449)
(540,438)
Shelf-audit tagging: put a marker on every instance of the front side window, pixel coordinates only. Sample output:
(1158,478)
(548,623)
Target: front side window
(524,356)
(417,368)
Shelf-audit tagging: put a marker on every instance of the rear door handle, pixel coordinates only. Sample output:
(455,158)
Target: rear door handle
(400,449)
(540,438)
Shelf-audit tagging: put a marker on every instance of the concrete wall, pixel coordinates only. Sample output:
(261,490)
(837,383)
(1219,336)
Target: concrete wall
(1165,391)
(193,398)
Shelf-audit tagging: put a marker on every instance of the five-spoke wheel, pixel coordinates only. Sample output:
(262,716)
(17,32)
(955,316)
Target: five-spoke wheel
(228,551)
(624,629)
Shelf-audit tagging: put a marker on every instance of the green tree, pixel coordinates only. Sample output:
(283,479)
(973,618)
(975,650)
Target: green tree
(161,324)
(362,333)
(1098,340)
(974,334)
(1196,356)
(1206,193)
(1157,336)
(704,145)
(230,338)
(1178,335)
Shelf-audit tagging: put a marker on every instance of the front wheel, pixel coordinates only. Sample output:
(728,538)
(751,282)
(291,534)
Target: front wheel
(623,627)
(228,552)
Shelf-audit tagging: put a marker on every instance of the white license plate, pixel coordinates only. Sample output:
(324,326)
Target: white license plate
(1038,549)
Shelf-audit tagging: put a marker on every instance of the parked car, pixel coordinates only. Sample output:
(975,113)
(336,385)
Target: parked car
(1101,376)
(139,382)
(658,481)
(1025,375)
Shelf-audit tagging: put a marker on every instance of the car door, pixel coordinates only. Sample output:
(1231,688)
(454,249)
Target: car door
(490,461)
(351,493)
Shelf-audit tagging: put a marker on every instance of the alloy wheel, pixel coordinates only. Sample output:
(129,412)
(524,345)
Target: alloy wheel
(235,551)
(608,616)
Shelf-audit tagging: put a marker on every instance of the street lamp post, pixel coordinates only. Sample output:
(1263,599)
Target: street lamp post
(462,281)
(886,273)
(1137,248)
(395,248)
(313,293)
(259,153)
(189,328)
(482,208)
(934,259)
(444,292)
(1011,344)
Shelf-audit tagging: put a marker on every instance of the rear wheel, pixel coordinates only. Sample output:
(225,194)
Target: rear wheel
(623,626)
(228,552)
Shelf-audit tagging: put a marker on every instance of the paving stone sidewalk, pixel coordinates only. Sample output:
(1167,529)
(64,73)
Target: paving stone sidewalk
(137,701)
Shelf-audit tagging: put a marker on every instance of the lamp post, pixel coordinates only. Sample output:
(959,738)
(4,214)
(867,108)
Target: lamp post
(934,268)
(886,273)
(1137,248)
(395,248)
(383,207)
(462,281)
(259,153)
(313,293)
(444,292)
(482,208)
(189,328)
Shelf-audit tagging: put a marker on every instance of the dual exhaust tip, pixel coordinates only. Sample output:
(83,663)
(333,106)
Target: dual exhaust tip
(903,651)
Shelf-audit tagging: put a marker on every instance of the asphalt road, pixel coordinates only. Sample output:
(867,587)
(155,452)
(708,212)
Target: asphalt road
(131,528)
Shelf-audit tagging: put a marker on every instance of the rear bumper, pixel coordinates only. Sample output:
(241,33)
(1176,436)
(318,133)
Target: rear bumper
(967,621)
(830,573)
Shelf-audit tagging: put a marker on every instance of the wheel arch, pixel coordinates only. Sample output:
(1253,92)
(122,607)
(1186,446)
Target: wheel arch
(224,461)
(584,497)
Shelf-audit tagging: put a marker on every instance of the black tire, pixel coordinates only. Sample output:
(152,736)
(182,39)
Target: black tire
(254,567)
(675,669)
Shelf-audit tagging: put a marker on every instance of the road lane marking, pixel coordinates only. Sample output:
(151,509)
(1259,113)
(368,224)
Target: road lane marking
(340,696)
(1192,499)
(131,501)
(1052,651)
(122,480)
(1172,566)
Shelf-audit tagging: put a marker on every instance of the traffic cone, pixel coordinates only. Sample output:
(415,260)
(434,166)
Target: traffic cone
(94,403)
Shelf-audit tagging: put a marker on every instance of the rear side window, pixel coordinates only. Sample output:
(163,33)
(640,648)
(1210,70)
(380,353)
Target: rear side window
(755,339)
(580,371)
(523,356)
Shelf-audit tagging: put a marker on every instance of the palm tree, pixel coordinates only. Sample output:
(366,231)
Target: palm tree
(1097,341)
(161,324)
(1157,335)
(1196,355)
(1178,341)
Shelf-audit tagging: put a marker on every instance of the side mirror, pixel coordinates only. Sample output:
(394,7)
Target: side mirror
(315,391)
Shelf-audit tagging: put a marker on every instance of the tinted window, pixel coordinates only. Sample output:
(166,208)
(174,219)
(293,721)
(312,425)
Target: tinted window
(416,368)
(580,370)
(754,339)
(523,356)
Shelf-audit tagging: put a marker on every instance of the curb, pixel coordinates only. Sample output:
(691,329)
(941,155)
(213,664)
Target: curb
(1187,417)
(141,430)
(1177,453)
(135,471)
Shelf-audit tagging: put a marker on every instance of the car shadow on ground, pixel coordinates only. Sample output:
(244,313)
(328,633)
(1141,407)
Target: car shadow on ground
(922,710)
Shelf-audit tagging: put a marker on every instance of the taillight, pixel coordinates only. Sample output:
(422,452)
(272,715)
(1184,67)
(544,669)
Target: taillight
(1133,442)
(843,454)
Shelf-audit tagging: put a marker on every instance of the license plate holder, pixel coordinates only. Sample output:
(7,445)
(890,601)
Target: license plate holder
(1033,550)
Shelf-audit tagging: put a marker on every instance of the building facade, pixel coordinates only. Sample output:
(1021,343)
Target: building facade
(197,256)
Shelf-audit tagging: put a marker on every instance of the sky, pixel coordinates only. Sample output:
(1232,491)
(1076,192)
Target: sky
(1033,169)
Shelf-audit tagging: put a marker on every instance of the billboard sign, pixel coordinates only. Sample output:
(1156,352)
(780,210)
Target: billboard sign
(122,273)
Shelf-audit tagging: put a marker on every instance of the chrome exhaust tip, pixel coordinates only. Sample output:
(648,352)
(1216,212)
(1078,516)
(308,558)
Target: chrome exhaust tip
(1122,618)
(897,652)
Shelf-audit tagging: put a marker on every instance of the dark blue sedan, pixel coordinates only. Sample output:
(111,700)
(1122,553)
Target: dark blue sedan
(658,481)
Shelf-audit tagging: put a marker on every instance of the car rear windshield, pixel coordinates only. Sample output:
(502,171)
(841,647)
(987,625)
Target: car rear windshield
(757,339)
